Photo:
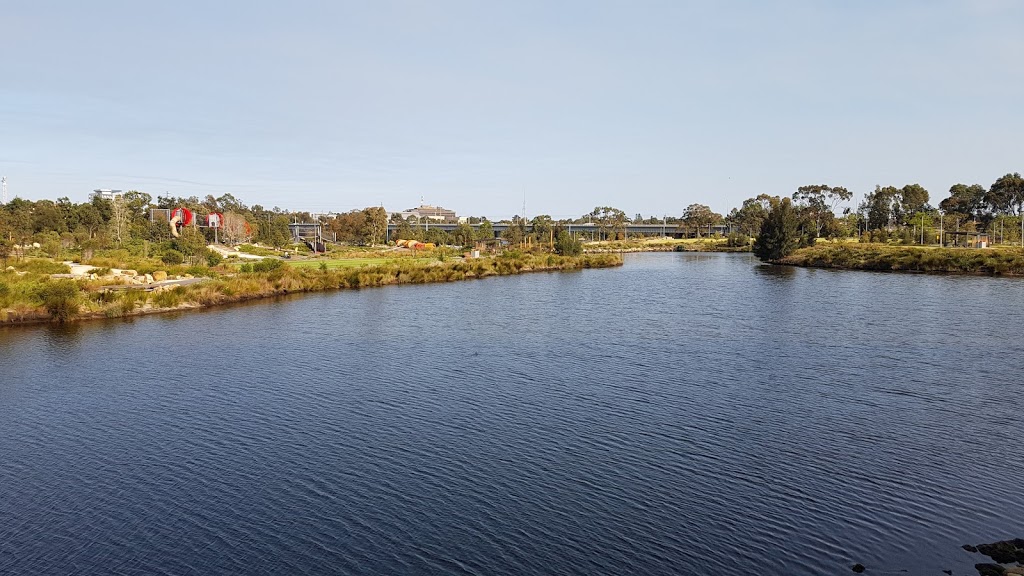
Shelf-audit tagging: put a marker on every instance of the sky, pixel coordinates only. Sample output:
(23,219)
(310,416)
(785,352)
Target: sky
(481,106)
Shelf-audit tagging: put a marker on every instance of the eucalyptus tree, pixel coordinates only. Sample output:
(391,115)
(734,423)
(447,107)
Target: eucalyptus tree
(819,202)
(699,216)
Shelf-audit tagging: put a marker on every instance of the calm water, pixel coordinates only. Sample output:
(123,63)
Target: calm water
(684,414)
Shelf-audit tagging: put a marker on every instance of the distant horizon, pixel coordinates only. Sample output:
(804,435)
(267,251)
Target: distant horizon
(648,107)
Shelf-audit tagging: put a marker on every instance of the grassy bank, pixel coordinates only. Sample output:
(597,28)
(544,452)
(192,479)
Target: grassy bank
(29,297)
(887,258)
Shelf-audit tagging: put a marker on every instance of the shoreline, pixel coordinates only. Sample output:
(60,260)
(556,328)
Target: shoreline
(990,262)
(223,291)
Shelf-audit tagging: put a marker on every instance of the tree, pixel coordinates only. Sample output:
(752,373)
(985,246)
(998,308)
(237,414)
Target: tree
(913,198)
(779,236)
(878,207)
(191,243)
(964,199)
(699,216)
(88,218)
(485,231)
(5,249)
(609,220)
(542,225)
(819,201)
(516,231)
(464,235)
(120,219)
(566,245)
(375,225)
(1006,195)
(749,217)
(235,228)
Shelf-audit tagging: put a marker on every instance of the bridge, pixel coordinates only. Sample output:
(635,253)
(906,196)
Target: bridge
(584,230)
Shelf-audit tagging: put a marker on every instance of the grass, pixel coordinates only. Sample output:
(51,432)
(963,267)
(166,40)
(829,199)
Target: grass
(335,263)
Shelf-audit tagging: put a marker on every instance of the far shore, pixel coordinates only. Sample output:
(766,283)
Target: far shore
(1001,261)
(73,301)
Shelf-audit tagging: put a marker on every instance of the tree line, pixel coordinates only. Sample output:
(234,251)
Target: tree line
(813,211)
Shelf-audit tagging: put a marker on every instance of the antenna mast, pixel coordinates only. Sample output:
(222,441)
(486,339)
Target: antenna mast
(4,185)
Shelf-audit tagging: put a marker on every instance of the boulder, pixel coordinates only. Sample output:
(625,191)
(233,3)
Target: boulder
(990,569)
(159,276)
(969,548)
(129,272)
(1005,551)
(149,278)
(858,568)
(1015,570)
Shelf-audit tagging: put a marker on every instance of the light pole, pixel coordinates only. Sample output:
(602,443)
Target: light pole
(941,229)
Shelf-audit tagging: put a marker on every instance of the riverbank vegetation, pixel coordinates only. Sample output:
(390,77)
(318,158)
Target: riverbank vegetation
(893,228)
(27,296)
(887,258)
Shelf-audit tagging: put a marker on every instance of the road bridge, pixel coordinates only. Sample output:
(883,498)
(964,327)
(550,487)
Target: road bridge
(580,230)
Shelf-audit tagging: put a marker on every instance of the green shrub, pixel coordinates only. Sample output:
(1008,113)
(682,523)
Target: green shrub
(169,298)
(267,265)
(213,258)
(172,256)
(566,245)
(42,266)
(61,299)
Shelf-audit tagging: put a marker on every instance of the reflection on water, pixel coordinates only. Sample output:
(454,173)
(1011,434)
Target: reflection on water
(684,414)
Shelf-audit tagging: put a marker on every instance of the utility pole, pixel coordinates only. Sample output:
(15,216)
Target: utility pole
(4,185)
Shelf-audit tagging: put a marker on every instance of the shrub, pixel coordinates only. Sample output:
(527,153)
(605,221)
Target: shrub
(267,265)
(172,256)
(61,299)
(566,245)
(213,258)
(37,266)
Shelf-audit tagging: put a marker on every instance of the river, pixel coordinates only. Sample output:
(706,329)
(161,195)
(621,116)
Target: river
(682,414)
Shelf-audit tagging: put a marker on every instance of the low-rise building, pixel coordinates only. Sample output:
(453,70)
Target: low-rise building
(433,213)
(105,194)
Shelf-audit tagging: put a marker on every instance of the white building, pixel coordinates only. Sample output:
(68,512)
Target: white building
(105,194)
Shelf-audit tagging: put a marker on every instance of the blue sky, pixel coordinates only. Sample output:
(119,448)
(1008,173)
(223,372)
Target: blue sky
(645,106)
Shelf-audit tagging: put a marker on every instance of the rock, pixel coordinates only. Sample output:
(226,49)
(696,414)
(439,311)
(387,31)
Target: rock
(1015,570)
(149,278)
(947,572)
(159,276)
(1005,551)
(858,568)
(990,569)
(10,268)
(129,272)
(969,548)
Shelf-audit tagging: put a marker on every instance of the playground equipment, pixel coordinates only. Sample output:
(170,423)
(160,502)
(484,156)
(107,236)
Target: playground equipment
(178,218)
